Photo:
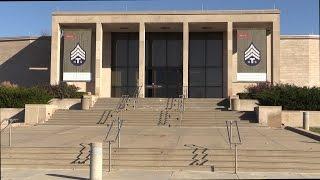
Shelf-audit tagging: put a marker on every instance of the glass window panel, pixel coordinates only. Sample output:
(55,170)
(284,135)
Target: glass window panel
(119,77)
(214,53)
(133,76)
(196,92)
(174,91)
(116,92)
(214,77)
(133,51)
(214,92)
(160,91)
(158,53)
(196,53)
(131,90)
(174,76)
(120,58)
(197,77)
(159,77)
(174,54)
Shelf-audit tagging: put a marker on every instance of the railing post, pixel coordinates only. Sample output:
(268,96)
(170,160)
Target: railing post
(109,168)
(96,161)
(10,132)
(118,133)
(235,158)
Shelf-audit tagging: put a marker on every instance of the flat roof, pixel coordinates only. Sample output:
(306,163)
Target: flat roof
(302,36)
(182,12)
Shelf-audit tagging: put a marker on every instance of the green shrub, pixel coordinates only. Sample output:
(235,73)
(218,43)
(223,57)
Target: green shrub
(17,97)
(290,97)
(63,90)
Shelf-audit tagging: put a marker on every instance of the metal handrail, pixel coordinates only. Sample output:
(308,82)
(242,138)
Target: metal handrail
(10,121)
(235,143)
(181,107)
(120,123)
(136,96)
(122,103)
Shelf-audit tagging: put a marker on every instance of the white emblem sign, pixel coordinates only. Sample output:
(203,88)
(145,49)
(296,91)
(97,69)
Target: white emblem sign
(252,56)
(77,56)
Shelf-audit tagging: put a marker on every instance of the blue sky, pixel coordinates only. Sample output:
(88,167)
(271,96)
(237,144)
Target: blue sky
(34,18)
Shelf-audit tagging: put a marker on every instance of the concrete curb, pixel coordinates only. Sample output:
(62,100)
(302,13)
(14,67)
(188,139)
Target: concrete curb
(303,132)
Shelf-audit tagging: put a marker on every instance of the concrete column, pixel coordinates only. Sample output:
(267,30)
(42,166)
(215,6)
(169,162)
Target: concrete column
(98,66)
(96,161)
(306,120)
(269,54)
(185,70)
(142,60)
(107,68)
(276,50)
(55,53)
(229,56)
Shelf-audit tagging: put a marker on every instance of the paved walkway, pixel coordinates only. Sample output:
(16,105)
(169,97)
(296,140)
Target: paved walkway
(28,174)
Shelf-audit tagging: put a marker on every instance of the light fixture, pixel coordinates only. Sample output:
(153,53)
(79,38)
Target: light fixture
(124,28)
(206,27)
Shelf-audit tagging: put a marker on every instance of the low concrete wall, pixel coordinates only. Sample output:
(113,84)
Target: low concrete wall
(294,118)
(38,113)
(243,104)
(67,103)
(269,115)
(15,113)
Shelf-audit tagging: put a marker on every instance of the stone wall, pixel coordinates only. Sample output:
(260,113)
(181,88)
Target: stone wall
(299,60)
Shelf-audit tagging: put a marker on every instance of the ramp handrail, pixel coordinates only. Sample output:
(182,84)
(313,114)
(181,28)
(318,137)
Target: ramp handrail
(10,121)
(118,134)
(232,142)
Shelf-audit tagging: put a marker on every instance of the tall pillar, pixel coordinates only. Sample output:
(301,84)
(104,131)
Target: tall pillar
(142,61)
(55,53)
(185,80)
(98,66)
(229,56)
(276,50)
(269,54)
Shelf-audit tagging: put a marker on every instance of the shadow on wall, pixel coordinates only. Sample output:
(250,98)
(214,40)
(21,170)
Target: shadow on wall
(17,70)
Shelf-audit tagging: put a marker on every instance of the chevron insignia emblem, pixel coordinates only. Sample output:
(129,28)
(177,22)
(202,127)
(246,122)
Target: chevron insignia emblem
(77,56)
(252,56)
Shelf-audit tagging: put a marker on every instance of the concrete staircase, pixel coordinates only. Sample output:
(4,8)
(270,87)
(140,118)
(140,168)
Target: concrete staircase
(164,159)
(154,112)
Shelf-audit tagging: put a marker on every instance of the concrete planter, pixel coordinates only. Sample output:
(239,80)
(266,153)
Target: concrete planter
(243,104)
(294,118)
(38,113)
(269,115)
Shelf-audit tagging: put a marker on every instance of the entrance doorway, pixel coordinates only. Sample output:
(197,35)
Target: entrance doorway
(163,64)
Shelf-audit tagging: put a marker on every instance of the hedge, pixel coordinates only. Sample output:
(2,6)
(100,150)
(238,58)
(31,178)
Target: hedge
(63,90)
(290,97)
(17,97)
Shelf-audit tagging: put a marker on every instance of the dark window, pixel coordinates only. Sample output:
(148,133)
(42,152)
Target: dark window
(124,63)
(205,65)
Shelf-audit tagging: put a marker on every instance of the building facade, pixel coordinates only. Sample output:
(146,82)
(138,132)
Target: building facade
(166,54)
